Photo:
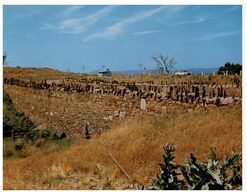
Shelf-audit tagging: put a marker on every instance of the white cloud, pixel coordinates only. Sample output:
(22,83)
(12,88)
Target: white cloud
(214,16)
(195,21)
(146,32)
(26,12)
(72,9)
(79,25)
(119,27)
(215,36)
(233,8)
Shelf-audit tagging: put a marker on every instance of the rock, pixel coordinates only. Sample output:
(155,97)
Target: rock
(51,113)
(122,114)
(190,110)
(226,101)
(116,113)
(210,100)
(62,136)
(163,95)
(215,100)
(143,104)
(163,110)
(40,127)
(108,118)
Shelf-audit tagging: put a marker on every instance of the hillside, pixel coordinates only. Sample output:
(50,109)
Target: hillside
(136,144)
(135,140)
(38,74)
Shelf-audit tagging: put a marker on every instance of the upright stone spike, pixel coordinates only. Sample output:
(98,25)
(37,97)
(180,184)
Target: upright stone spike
(224,92)
(221,91)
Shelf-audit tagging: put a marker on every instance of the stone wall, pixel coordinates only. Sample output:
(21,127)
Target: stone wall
(187,92)
(68,105)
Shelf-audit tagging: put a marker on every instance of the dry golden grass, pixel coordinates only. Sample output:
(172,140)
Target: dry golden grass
(38,74)
(61,111)
(136,143)
(137,146)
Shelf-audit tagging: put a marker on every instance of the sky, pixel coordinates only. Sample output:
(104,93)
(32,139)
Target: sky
(81,38)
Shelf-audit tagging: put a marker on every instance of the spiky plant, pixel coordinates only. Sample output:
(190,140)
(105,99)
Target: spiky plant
(168,178)
(213,175)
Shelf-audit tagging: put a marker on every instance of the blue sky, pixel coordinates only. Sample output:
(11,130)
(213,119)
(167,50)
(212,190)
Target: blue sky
(121,37)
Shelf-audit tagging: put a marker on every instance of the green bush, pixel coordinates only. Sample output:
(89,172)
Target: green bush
(38,134)
(14,149)
(12,119)
(64,143)
(231,68)
(17,122)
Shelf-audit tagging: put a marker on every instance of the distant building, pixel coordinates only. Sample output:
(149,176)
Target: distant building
(182,73)
(105,72)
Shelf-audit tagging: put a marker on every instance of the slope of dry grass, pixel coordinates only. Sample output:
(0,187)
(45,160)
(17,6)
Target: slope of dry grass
(137,146)
(136,143)
(63,112)
(38,74)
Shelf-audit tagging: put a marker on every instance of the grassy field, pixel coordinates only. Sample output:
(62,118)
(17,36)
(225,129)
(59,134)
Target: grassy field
(38,74)
(137,146)
(135,142)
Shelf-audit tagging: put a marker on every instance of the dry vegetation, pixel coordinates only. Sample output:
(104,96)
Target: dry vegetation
(136,144)
(38,74)
(60,111)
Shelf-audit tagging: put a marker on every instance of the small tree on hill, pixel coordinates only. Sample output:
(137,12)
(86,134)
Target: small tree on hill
(231,68)
(5,58)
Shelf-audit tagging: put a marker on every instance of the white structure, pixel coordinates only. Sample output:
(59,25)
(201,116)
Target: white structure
(143,104)
(182,73)
(105,72)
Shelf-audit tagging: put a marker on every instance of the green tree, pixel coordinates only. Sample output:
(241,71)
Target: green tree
(231,68)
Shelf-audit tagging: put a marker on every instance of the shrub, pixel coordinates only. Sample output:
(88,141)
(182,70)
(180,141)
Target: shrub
(168,178)
(64,143)
(14,149)
(210,76)
(12,119)
(19,146)
(231,68)
(38,134)
(213,175)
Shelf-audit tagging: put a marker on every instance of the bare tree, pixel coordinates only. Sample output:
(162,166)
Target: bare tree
(5,56)
(164,63)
